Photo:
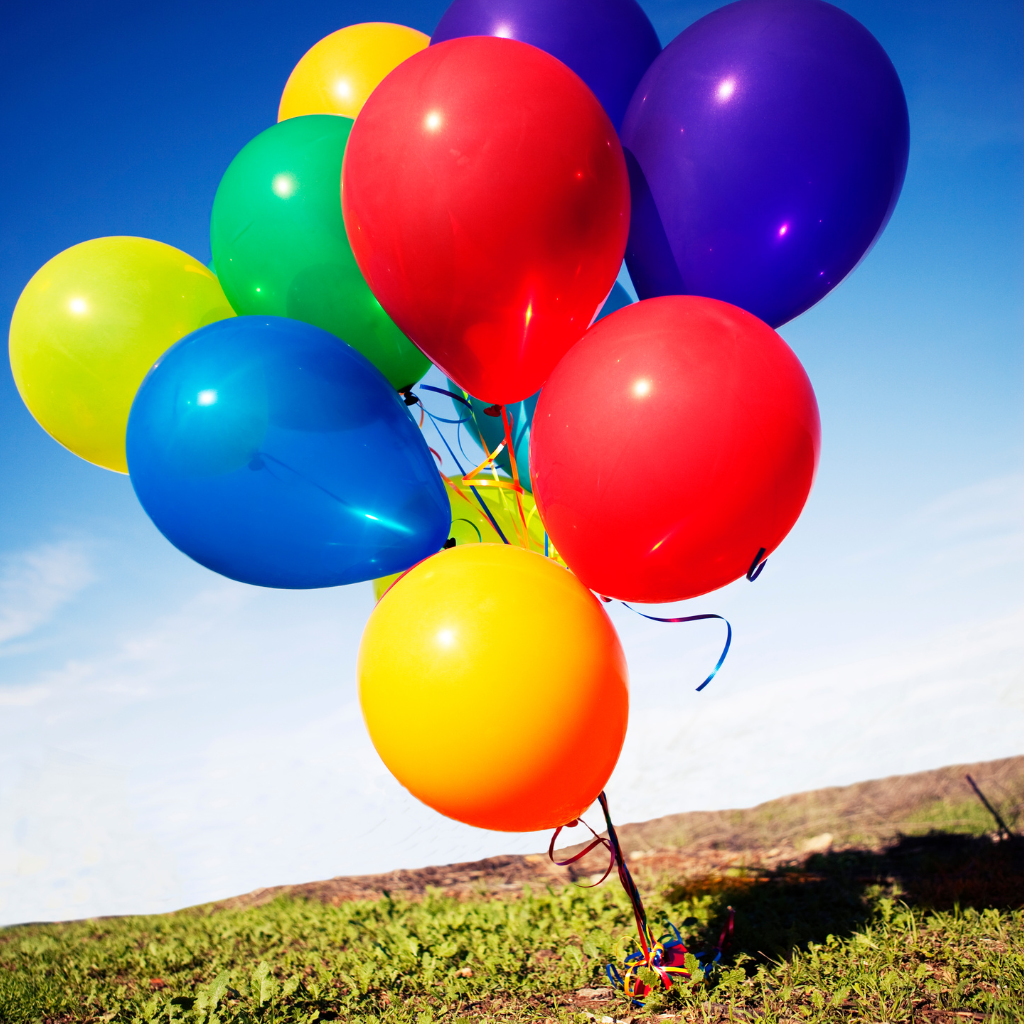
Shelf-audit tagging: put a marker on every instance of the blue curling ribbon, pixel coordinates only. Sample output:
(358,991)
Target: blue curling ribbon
(450,394)
(441,391)
(458,465)
(695,618)
(757,565)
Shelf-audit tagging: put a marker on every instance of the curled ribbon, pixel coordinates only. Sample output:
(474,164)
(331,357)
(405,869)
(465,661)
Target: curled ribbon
(695,618)
(757,565)
(665,956)
(473,479)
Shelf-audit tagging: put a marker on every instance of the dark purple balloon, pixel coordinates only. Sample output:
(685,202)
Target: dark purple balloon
(766,147)
(608,43)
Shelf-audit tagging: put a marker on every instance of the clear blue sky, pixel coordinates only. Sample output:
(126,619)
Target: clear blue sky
(157,723)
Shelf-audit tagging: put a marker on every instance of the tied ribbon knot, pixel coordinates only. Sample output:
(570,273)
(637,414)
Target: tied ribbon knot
(665,956)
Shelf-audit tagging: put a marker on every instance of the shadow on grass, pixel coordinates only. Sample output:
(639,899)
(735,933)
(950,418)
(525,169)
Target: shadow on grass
(835,893)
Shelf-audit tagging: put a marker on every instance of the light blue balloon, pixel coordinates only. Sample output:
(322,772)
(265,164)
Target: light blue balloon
(617,298)
(273,453)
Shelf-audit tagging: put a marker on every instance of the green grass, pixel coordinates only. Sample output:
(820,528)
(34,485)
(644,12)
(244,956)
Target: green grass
(833,942)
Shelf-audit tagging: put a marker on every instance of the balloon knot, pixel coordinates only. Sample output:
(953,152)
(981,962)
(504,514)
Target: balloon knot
(449,543)
(493,410)
(408,397)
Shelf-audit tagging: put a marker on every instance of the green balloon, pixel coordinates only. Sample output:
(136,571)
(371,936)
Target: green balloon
(280,247)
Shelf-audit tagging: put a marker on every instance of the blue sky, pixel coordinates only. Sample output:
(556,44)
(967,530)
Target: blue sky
(167,736)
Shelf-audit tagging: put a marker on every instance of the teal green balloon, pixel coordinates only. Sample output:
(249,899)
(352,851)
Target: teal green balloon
(280,247)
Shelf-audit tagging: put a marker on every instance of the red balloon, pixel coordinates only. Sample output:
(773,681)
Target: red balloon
(487,203)
(677,439)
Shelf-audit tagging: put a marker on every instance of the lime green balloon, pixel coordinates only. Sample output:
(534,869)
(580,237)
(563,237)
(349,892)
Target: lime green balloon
(280,247)
(91,323)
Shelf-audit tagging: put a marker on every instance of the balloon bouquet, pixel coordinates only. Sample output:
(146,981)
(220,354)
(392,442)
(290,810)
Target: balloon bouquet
(467,201)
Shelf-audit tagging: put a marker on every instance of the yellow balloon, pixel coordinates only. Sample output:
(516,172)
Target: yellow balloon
(472,525)
(337,75)
(494,688)
(91,323)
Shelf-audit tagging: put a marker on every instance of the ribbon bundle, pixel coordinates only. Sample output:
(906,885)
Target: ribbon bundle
(665,956)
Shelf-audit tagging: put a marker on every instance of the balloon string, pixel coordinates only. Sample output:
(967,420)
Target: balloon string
(451,394)
(470,479)
(597,841)
(464,399)
(494,522)
(666,958)
(757,565)
(693,618)
(479,535)
(487,462)
(458,440)
(458,465)
(507,423)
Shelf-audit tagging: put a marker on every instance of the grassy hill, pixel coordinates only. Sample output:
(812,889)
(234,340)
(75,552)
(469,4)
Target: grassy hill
(910,913)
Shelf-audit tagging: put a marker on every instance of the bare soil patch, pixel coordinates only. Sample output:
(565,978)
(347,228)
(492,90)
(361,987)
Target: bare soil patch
(880,827)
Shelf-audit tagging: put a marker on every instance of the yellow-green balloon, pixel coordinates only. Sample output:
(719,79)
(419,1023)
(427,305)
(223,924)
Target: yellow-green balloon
(91,323)
(472,525)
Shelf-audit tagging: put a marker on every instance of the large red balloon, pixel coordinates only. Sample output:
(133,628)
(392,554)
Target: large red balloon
(675,441)
(487,203)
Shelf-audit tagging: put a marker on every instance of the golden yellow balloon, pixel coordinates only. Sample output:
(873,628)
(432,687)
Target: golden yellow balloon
(337,75)
(472,525)
(91,323)
(494,688)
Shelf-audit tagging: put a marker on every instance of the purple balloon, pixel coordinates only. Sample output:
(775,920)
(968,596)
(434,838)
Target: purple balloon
(767,147)
(608,43)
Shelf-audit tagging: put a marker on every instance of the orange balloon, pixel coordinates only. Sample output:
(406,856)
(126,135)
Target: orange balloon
(337,74)
(494,688)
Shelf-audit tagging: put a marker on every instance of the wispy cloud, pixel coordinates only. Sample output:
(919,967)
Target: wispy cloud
(36,583)
(977,527)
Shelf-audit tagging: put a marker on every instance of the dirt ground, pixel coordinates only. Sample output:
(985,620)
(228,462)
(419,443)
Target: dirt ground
(877,819)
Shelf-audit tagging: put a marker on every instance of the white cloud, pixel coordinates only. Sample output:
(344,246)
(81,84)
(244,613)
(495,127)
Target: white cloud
(975,528)
(70,846)
(36,583)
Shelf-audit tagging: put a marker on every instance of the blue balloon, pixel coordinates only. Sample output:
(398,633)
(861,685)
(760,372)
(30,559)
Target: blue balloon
(275,454)
(766,147)
(608,43)
(488,429)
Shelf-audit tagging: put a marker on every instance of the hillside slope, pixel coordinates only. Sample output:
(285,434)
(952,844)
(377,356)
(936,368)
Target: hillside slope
(867,815)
